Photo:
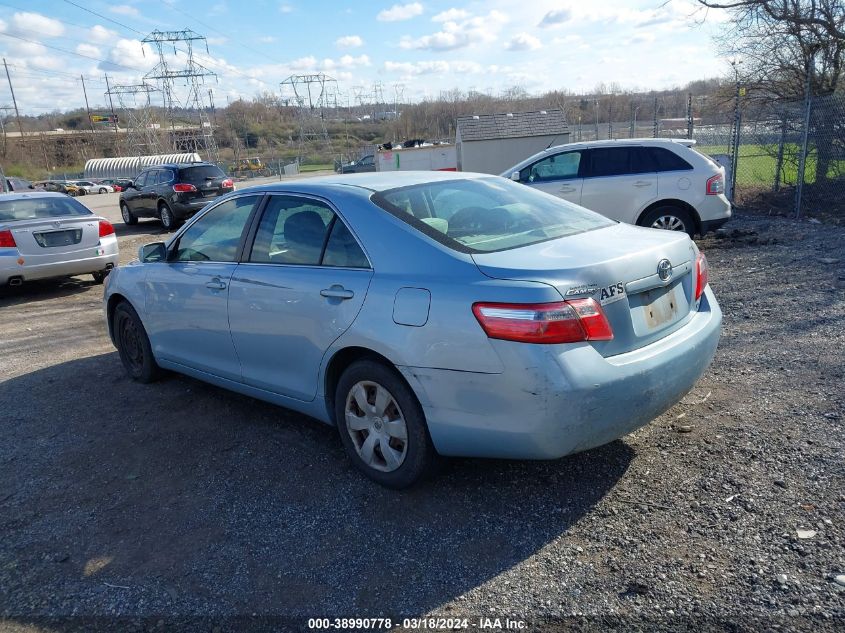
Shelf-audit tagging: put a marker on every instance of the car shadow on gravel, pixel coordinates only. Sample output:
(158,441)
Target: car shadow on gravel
(152,228)
(48,289)
(180,498)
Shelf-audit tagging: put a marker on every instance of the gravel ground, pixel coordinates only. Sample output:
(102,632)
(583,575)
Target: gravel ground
(180,500)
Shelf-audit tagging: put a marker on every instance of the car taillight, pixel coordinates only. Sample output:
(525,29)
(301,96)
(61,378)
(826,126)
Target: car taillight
(7,240)
(228,182)
(560,322)
(700,275)
(715,185)
(106,228)
(183,187)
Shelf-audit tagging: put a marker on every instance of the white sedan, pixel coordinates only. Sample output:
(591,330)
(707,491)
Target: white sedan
(88,186)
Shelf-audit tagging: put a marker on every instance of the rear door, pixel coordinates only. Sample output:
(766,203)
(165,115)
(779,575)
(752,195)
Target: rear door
(619,182)
(559,175)
(186,296)
(300,286)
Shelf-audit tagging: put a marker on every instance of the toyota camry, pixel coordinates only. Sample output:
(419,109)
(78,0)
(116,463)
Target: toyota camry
(424,314)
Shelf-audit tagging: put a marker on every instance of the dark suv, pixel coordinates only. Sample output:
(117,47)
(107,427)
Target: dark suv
(173,193)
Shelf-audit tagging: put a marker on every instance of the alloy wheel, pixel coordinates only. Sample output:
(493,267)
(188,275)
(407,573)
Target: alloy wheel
(377,426)
(668,223)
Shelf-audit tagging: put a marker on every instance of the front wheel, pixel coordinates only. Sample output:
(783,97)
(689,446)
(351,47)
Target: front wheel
(669,218)
(133,344)
(382,425)
(168,220)
(103,190)
(81,192)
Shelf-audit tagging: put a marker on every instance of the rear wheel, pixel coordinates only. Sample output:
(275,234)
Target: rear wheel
(103,190)
(129,218)
(99,276)
(382,425)
(81,192)
(165,214)
(669,218)
(133,345)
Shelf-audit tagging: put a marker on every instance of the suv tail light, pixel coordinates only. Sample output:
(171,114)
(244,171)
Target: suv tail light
(700,275)
(7,240)
(560,322)
(106,228)
(228,182)
(183,187)
(715,185)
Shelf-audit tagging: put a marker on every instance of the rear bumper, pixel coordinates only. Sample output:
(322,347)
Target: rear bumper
(713,213)
(50,266)
(708,226)
(552,401)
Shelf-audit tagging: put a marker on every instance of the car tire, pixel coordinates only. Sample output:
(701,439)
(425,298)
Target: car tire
(129,218)
(380,405)
(168,220)
(670,218)
(99,276)
(81,192)
(133,345)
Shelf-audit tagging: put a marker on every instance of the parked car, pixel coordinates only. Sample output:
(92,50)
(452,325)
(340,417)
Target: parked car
(364,164)
(89,186)
(57,186)
(499,322)
(47,234)
(117,184)
(661,183)
(173,193)
(18,184)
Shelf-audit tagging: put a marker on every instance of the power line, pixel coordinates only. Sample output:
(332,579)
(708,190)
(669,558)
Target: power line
(64,50)
(104,17)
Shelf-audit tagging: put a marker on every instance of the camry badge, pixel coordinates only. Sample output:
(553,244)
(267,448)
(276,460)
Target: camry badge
(664,269)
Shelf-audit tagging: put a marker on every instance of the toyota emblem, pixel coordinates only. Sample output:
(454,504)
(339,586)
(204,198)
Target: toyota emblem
(664,269)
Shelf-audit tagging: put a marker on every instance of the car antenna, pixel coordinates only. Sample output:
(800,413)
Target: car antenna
(552,141)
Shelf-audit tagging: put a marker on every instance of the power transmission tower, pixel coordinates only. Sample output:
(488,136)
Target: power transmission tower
(315,99)
(181,80)
(142,130)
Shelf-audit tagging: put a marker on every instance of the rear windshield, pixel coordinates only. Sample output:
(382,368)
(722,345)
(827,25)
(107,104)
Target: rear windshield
(200,173)
(486,214)
(37,208)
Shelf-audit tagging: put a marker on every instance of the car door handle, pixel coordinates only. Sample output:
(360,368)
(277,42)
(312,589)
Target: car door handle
(567,189)
(216,284)
(336,292)
(642,183)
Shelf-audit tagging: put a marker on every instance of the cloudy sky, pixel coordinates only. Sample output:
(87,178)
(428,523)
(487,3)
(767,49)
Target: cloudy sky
(414,48)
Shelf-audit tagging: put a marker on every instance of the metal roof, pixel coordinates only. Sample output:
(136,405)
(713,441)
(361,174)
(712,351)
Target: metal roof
(129,166)
(484,127)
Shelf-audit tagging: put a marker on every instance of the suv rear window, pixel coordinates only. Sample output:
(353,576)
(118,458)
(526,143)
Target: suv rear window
(486,214)
(667,160)
(200,173)
(38,208)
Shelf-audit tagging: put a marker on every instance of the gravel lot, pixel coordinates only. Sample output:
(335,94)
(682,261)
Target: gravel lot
(179,499)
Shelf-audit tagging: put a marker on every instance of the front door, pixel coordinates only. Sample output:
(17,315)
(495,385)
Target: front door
(558,175)
(299,287)
(186,296)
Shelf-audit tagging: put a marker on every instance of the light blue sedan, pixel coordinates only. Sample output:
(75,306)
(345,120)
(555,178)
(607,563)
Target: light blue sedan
(424,314)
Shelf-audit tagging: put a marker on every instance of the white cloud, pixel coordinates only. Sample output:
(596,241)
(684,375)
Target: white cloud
(413,69)
(217,41)
(101,34)
(128,53)
(125,9)
(454,35)
(400,12)
(555,18)
(266,39)
(349,41)
(89,50)
(523,42)
(451,15)
(285,8)
(35,23)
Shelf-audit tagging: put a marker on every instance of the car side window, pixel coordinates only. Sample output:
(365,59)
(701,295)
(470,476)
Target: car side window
(642,161)
(554,167)
(610,161)
(141,180)
(342,249)
(667,160)
(215,236)
(292,230)
(164,176)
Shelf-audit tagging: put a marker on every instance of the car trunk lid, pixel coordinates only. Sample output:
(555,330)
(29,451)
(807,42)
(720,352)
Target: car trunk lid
(55,235)
(209,181)
(618,266)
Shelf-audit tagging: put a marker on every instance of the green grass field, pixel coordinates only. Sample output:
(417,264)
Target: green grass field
(757,164)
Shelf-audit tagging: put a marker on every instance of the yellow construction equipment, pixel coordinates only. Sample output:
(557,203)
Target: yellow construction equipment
(249,167)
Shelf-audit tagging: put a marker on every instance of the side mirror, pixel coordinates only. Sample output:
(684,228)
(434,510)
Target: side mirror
(130,184)
(155,252)
(515,176)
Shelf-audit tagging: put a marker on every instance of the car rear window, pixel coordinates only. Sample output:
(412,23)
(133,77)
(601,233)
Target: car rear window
(37,208)
(200,173)
(486,214)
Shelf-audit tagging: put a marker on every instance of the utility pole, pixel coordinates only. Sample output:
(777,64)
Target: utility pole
(656,129)
(111,105)
(610,119)
(87,107)
(14,101)
(690,121)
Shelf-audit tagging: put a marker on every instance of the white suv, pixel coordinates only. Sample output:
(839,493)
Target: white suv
(661,183)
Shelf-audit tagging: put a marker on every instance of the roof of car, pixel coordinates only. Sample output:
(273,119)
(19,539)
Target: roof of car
(179,165)
(23,195)
(626,141)
(373,181)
